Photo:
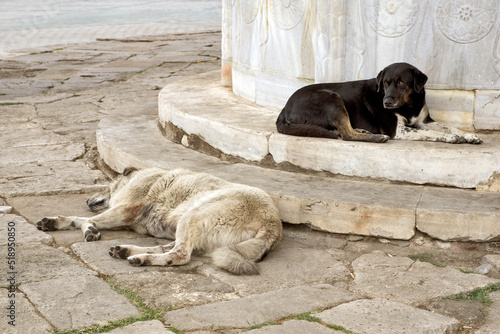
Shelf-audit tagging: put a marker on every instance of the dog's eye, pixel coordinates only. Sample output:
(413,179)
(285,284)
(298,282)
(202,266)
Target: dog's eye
(401,83)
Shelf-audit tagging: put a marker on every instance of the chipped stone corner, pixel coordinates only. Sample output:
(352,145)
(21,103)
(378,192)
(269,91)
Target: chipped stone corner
(493,183)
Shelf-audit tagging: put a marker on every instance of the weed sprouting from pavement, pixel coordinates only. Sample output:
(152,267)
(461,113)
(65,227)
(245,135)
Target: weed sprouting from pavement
(425,257)
(479,294)
(147,314)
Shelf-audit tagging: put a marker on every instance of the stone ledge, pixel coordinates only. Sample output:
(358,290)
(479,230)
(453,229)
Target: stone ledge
(330,204)
(200,105)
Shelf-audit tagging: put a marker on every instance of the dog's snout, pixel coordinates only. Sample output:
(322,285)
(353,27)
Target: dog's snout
(390,102)
(96,204)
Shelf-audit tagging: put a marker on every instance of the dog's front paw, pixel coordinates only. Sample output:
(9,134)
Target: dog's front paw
(47,224)
(381,138)
(453,139)
(92,234)
(472,139)
(139,260)
(119,252)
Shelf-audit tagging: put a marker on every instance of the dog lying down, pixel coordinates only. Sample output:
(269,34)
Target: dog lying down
(237,224)
(392,105)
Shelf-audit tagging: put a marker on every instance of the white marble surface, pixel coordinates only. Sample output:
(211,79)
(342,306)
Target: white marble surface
(278,45)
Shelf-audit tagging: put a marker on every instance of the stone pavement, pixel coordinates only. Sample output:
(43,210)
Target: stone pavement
(51,100)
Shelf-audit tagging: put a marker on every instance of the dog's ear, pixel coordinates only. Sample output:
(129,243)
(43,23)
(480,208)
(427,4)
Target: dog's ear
(129,170)
(419,80)
(380,78)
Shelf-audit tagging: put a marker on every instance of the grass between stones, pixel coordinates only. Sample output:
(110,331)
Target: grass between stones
(425,257)
(147,314)
(479,294)
(311,318)
(305,317)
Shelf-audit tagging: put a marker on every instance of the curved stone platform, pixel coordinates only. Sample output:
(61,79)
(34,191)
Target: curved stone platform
(325,203)
(201,106)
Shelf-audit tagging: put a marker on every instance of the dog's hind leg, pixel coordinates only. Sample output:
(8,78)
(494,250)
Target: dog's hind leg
(340,119)
(178,256)
(125,251)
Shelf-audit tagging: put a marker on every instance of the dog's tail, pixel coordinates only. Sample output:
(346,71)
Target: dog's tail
(240,259)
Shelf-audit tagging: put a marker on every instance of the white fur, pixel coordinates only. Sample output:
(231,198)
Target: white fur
(237,224)
(416,129)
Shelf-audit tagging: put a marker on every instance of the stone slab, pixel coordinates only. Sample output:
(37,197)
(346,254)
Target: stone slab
(401,279)
(16,113)
(15,229)
(47,178)
(33,208)
(493,260)
(468,312)
(143,327)
(333,205)
(80,301)
(27,98)
(295,327)
(82,111)
(487,106)
(451,107)
(280,267)
(492,322)
(178,290)
(387,317)
(35,136)
(38,262)
(42,153)
(461,165)
(25,318)
(258,309)
(453,214)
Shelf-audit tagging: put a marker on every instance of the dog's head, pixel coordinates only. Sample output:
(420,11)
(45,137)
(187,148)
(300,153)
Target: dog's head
(399,82)
(100,201)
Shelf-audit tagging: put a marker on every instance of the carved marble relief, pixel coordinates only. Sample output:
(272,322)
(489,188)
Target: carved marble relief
(466,21)
(249,10)
(286,14)
(441,37)
(276,30)
(288,42)
(328,41)
(392,18)
(496,53)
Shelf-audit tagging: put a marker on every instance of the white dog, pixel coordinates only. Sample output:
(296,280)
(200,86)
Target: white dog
(237,224)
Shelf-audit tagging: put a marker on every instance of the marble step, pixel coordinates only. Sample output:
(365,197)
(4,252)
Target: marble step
(201,106)
(366,208)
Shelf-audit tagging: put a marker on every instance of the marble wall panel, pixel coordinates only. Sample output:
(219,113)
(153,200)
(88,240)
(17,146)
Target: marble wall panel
(455,42)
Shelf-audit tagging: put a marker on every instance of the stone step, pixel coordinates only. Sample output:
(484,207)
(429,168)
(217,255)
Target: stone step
(330,204)
(201,106)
